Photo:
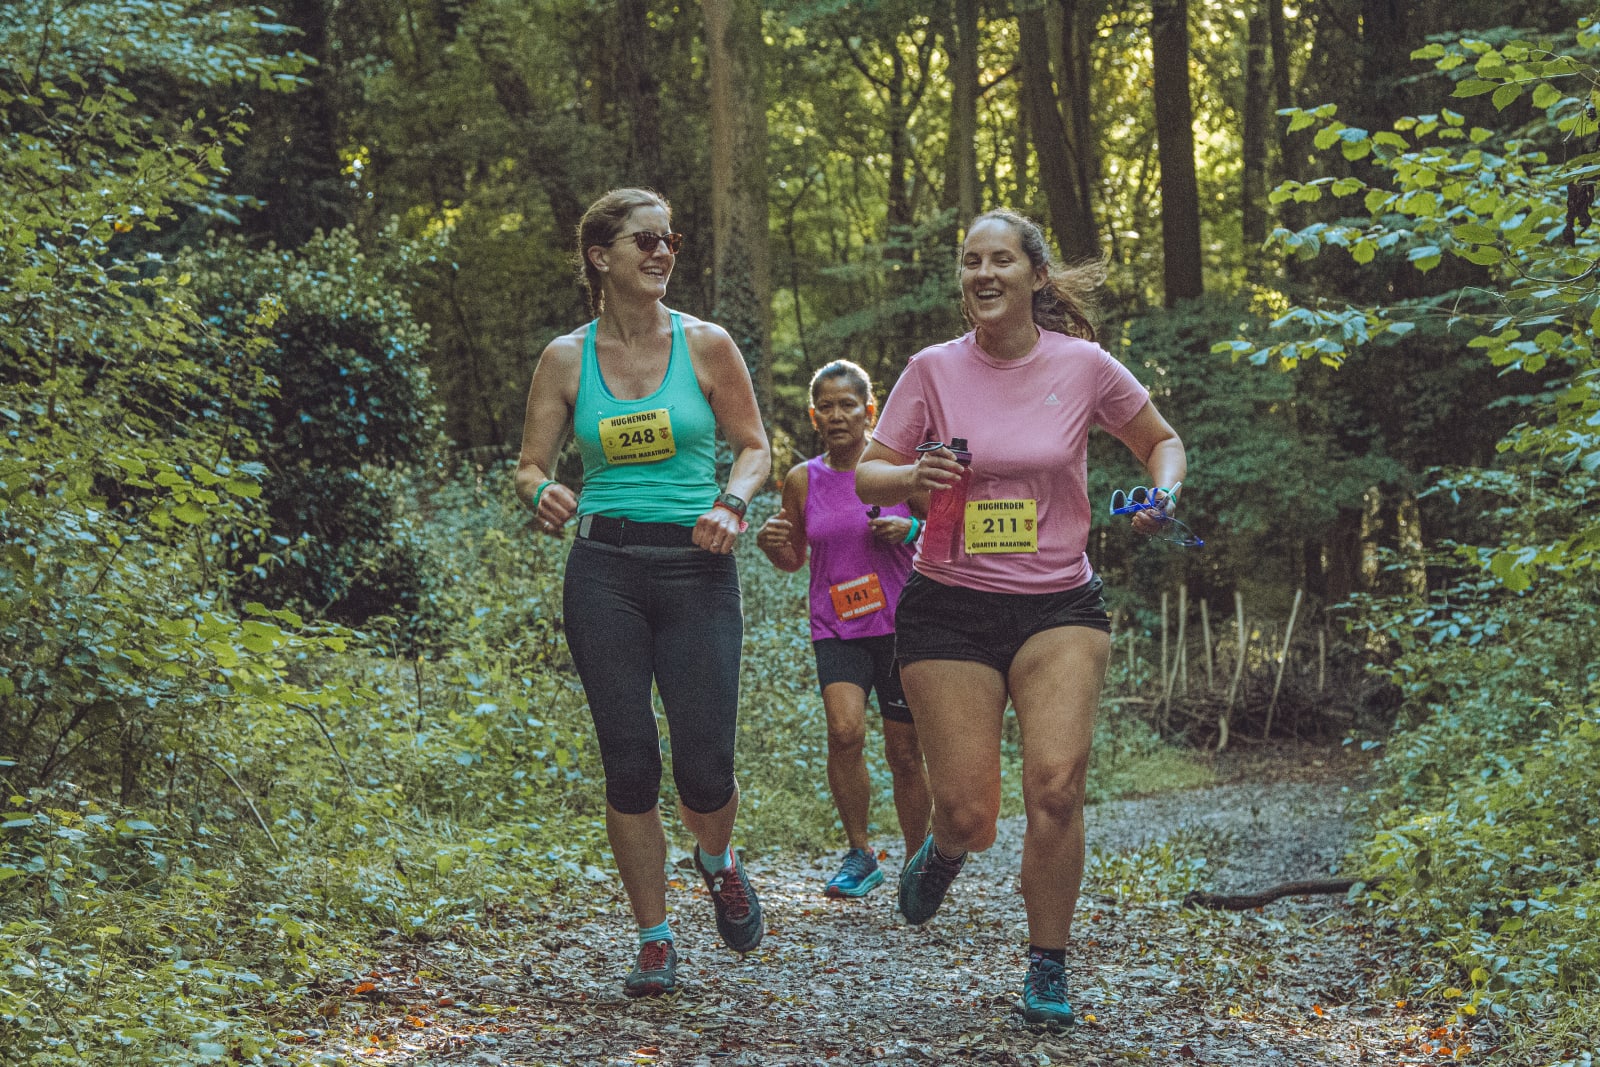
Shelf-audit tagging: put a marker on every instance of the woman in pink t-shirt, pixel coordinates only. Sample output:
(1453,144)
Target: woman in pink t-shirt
(1017,616)
(859,563)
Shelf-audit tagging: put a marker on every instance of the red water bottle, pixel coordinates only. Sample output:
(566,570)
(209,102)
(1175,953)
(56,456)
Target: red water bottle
(945,538)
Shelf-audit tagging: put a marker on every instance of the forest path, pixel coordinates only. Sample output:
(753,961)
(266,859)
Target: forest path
(1297,982)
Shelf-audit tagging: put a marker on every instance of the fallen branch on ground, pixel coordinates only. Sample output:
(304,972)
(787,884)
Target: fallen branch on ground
(1245,901)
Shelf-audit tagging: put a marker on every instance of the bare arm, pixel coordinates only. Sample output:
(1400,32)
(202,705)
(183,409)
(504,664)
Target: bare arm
(544,430)
(1154,443)
(726,383)
(887,477)
(783,537)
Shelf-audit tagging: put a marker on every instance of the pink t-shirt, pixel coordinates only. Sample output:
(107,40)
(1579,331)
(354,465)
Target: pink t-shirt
(1026,422)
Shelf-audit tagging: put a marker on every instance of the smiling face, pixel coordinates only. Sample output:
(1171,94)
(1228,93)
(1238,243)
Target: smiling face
(997,279)
(627,270)
(840,413)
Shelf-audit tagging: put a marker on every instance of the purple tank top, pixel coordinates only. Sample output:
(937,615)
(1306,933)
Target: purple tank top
(855,578)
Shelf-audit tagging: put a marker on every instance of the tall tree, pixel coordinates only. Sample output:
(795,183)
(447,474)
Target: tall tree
(1253,141)
(1079,27)
(1180,196)
(640,90)
(735,51)
(1071,216)
(964,109)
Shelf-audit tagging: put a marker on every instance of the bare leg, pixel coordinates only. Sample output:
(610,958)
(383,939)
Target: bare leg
(846,708)
(640,846)
(959,706)
(913,804)
(712,830)
(1055,685)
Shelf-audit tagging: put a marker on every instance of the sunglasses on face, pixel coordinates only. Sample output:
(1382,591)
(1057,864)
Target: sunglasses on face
(647,240)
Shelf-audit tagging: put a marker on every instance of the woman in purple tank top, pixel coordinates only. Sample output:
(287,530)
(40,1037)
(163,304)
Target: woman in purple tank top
(860,559)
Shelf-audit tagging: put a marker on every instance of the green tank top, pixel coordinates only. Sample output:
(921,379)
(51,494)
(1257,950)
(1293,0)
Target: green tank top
(651,459)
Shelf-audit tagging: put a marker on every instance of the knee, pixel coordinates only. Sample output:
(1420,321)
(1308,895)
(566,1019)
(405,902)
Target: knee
(846,737)
(1056,793)
(971,827)
(904,756)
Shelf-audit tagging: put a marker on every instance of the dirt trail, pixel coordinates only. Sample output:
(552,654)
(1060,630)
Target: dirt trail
(847,982)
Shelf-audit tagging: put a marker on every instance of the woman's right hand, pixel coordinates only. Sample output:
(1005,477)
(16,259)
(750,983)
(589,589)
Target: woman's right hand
(937,469)
(776,533)
(557,505)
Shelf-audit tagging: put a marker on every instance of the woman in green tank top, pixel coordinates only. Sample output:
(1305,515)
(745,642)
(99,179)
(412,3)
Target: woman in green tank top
(651,592)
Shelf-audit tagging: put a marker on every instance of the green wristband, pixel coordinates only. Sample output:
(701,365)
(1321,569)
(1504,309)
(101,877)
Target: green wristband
(916,529)
(538,493)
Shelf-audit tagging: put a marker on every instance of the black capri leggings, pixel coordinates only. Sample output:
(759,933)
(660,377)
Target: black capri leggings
(673,615)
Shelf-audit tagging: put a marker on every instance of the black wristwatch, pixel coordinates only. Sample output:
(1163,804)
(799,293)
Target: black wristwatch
(728,501)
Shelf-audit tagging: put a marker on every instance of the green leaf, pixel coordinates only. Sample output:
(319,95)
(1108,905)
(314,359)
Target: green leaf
(1363,252)
(1474,87)
(1328,136)
(1300,121)
(1474,233)
(1504,95)
(1545,94)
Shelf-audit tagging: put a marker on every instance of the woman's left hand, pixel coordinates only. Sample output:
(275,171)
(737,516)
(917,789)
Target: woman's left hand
(891,531)
(718,531)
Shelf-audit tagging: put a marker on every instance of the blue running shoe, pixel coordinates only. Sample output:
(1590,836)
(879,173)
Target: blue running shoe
(655,972)
(1044,995)
(738,907)
(858,875)
(924,882)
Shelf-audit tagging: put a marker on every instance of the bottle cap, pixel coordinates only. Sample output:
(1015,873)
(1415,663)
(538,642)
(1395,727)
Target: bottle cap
(959,444)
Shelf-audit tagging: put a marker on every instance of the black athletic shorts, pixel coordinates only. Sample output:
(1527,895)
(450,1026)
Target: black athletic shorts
(937,621)
(867,662)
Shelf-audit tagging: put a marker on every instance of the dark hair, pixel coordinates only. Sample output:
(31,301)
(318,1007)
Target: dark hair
(1066,304)
(601,224)
(851,372)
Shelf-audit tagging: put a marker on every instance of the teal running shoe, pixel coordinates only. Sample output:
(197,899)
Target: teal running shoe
(925,881)
(1044,995)
(655,972)
(858,875)
(738,908)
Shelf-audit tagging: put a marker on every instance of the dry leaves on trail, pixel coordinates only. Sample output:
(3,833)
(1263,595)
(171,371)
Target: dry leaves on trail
(848,982)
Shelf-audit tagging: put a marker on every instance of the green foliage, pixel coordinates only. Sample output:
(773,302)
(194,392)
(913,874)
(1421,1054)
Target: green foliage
(1486,847)
(1500,204)
(348,397)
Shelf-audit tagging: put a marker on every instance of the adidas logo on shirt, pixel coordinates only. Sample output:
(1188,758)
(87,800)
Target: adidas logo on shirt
(1051,399)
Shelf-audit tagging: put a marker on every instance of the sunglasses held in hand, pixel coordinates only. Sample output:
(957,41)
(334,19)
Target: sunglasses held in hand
(1143,498)
(647,240)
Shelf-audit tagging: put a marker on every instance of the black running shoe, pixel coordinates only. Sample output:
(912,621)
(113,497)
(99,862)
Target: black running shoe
(738,908)
(655,972)
(925,881)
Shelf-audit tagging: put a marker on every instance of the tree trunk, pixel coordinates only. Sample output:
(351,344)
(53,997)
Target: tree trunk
(1074,231)
(640,91)
(1180,197)
(735,53)
(1080,21)
(1282,83)
(964,110)
(1253,154)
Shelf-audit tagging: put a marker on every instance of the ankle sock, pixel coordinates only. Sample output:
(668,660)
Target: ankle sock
(1057,954)
(937,851)
(714,862)
(660,932)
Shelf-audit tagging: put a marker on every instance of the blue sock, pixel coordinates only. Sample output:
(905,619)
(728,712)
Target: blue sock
(714,863)
(660,932)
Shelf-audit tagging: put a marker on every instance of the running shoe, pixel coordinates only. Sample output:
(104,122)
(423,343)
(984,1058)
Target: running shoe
(738,908)
(924,882)
(655,972)
(1044,995)
(858,875)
